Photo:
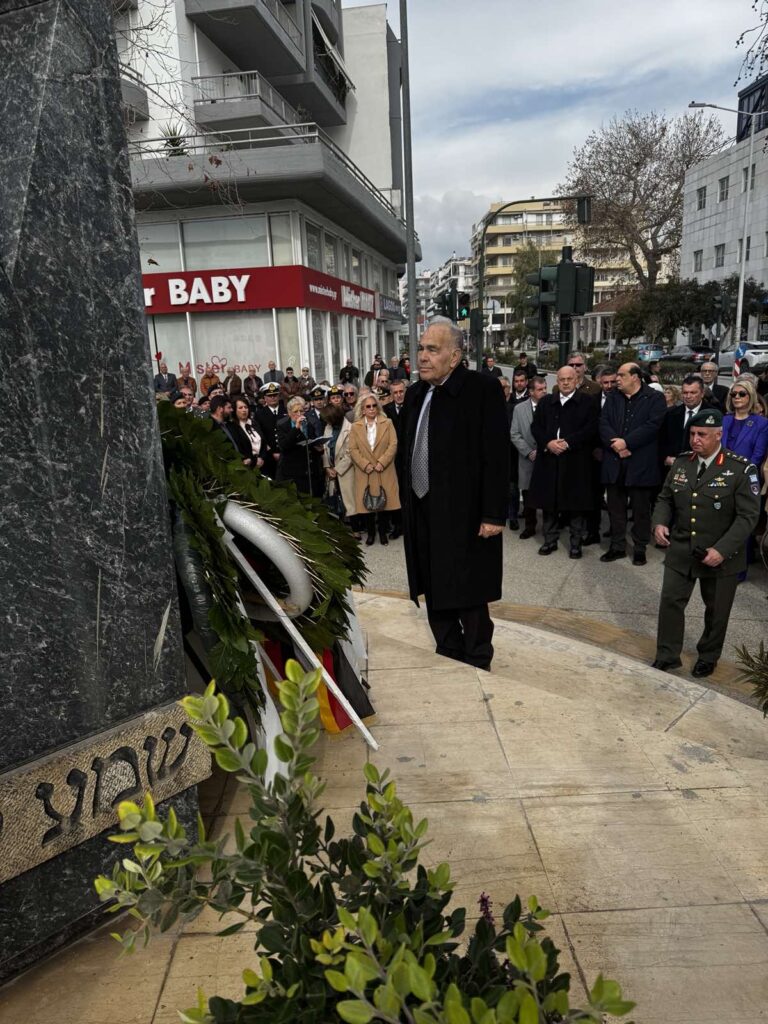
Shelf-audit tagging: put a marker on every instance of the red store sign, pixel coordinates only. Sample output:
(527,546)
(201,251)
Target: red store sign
(201,291)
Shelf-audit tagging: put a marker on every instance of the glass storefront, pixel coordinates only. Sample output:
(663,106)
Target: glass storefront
(159,247)
(226,242)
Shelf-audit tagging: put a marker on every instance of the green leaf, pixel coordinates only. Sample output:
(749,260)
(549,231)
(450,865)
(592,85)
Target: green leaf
(529,1012)
(227,760)
(456,1014)
(375,844)
(283,749)
(354,1011)
(337,981)
(420,983)
(371,772)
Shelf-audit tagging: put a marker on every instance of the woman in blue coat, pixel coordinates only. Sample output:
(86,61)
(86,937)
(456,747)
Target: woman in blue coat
(745,429)
(745,432)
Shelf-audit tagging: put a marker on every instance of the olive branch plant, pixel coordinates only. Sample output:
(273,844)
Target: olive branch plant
(352,928)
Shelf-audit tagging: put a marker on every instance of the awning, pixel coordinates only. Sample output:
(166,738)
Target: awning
(332,51)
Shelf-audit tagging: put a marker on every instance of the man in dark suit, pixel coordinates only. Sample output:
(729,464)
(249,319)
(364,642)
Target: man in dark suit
(165,382)
(674,438)
(268,416)
(273,375)
(490,368)
(630,422)
(717,393)
(394,410)
(455,491)
(565,428)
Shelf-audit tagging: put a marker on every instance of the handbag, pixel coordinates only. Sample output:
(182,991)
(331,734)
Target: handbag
(375,502)
(333,501)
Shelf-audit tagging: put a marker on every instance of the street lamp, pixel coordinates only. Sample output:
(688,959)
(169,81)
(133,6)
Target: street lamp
(747,198)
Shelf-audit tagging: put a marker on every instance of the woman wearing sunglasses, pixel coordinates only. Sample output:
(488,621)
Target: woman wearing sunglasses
(745,429)
(373,446)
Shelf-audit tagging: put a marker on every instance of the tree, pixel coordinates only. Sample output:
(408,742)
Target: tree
(526,261)
(635,170)
(755,42)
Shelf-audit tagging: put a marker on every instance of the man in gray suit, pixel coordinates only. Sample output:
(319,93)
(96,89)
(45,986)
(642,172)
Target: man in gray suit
(273,376)
(522,438)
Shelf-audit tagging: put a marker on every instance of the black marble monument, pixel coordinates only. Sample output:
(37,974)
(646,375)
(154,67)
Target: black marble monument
(89,635)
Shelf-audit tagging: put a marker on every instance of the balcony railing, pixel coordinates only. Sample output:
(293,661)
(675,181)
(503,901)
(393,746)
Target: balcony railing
(241,85)
(281,15)
(207,143)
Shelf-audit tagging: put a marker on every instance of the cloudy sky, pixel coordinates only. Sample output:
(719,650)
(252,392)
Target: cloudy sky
(503,90)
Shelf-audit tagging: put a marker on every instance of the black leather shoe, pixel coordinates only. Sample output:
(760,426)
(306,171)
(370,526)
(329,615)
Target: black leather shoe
(395,534)
(514,524)
(591,538)
(370,539)
(547,549)
(703,668)
(383,537)
(611,555)
(666,666)
(575,552)
(527,533)
(638,558)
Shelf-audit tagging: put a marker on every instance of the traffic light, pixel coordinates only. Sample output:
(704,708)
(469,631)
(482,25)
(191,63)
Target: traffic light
(542,301)
(477,321)
(445,304)
(462,303)
(574,290)
(722,303)
(585,289)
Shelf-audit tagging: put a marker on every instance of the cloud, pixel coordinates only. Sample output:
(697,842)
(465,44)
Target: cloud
(504,90)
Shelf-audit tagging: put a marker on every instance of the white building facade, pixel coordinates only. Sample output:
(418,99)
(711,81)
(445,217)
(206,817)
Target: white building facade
(267,177)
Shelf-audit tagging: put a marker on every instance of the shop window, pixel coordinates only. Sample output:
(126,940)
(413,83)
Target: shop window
(288,350)
(160,244)
(169,335)
(281,238)
(314,251)
(346,271)
(355,276)
(335,347)
(329,245)
(230,341)
(225,242)
(318,345)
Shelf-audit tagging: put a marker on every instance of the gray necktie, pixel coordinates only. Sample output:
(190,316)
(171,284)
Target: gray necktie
(420,457)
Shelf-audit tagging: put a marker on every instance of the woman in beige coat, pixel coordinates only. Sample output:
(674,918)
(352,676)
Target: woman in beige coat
(372,446)
(337,462)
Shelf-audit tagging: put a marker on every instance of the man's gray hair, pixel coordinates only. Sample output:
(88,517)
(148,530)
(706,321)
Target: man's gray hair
(297,402)
(457,338)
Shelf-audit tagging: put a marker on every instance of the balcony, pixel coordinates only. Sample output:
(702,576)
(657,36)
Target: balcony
(243,99)
(134,96)
(258,165)
(323,87)
(328,13)
(252,32)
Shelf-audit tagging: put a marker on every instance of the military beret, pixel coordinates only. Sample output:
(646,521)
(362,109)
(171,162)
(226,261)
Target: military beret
(707,418)
(269,389)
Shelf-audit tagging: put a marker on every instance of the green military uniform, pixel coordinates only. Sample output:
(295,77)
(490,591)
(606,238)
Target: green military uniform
(718,509)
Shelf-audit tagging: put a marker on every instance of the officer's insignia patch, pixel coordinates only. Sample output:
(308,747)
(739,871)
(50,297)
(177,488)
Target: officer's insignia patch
(753,478)
(729,472)
(754,488)
(717,504)
(680,477)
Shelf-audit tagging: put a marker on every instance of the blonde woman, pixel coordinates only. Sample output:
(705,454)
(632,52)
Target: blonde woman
(671,395)
(745,429)
(372,447)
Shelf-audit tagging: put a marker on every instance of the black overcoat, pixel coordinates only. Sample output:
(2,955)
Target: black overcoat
(641,468)
(564,483)
(468,485)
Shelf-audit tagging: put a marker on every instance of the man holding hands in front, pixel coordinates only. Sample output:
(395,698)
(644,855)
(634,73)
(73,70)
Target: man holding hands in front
(455,491)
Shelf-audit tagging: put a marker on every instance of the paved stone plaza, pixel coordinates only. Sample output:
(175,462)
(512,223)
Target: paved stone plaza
(633,804)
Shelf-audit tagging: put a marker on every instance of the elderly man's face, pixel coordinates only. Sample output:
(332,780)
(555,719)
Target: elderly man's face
(271,364)
(537,390)
(705,440)
(438,355)
(566,380)
(163,367)
(709,372)
(398,393)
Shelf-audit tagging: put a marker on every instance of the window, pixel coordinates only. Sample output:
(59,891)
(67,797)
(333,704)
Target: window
(288,338)
(225,242)
(330,255)
(159,242)
(698,259)
(318,344)
(232,340)
(749,246)
(169,335)
(746,176)
(280,236)
(720,255)
(722,189)
(765,246)
(314,251)
(701,197)
(539,218)
(335,346)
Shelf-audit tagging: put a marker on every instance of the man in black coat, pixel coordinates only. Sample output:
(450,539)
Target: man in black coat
(394,410)
(267,416)
(455,493)
(526,366)
(674,438)
(717,393)
(565,429)
(630,422)
(164,381)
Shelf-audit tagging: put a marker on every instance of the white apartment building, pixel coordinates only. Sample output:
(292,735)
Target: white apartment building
(423,296)
(458,271)
(266,158)
(714,202)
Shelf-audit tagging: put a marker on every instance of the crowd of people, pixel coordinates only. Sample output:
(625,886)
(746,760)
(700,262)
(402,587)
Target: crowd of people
(614,440)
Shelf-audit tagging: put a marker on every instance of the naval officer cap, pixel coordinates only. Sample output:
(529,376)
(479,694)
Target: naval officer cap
(317,393)
(269,389)
(707,418)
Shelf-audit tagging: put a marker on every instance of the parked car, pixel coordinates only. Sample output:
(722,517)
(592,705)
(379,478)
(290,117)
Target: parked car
(649,353)
(748,356)
(686,354)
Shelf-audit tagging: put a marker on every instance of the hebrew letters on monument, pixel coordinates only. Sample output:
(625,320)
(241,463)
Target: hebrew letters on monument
(90,640)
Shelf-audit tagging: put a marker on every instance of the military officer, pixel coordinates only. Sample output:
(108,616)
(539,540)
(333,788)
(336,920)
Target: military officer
(707,509)
(316,402)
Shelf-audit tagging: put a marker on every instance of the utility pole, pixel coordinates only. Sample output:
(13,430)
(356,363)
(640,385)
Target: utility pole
(410,230)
